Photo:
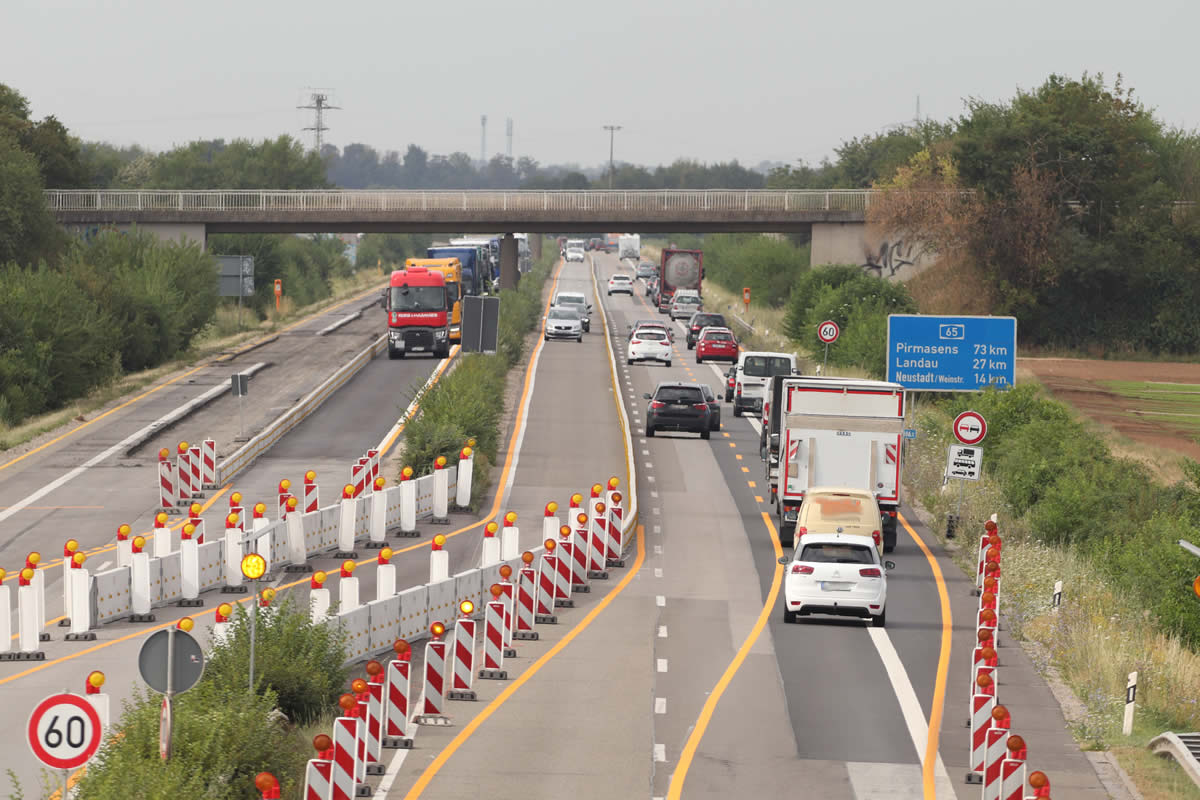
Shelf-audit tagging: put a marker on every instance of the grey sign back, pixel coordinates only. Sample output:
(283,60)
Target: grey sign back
(188,661)
(480,324)
(235,275)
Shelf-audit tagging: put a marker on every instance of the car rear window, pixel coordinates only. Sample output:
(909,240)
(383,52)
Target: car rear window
(837,553)
(718,336)
(688,299)
(653,336)
(766,366)
(709,319)
(619,278)
(576,299)
(678,394)
(839,508)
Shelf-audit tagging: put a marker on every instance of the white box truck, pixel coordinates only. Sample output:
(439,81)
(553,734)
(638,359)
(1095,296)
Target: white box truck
(629,246)
(835,432)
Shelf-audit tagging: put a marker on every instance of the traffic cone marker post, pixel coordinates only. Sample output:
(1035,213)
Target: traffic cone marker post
(397,735)
(493,636)
(348,511)
(408,503)
(441,492)
(547,578)
(433,704)
(462,670)
(524,600)
(377,531)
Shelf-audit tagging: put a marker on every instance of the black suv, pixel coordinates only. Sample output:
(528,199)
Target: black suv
(678,406)
(701,320)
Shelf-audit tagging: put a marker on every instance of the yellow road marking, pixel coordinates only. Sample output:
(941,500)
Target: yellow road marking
(751,484)
(745,469)
(508,461)
(675,791)
(733,444)
(943,667)
(738,456)
(757,499)
(726,435)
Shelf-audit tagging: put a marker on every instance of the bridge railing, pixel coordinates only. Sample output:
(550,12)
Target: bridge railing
(384,201)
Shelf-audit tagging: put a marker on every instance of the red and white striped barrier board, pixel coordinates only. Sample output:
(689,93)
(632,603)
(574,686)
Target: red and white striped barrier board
(615,518)
(183,478)
(373,460)
(988,689)
(523,613)
(596,548)
(493,641)
(578,560)
(317,783)
(546,589)
(312,496)
(463,672)
(564,559)
(509,598)
(981,723)
(395,714)
(374,727)
(997,748)
(196,463)
(344,778)
(1012,773)
(167,494)
(358,476)
(208,466)
(435,680)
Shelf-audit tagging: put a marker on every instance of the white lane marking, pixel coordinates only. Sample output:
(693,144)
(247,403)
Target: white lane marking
(660,752)
(662,665)
(121,445)
(658,528)
(660,705)
(660,600)
(650,478)
(104,566)
(658,572)
(662,631)
(657,510)
(641,441)
(645,452)
(649,465)
(910,707)
(653,494)
(658,549)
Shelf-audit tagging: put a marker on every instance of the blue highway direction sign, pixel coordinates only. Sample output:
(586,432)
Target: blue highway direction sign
(951,354)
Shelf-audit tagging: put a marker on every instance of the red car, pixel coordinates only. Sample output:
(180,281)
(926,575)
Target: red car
(716,344)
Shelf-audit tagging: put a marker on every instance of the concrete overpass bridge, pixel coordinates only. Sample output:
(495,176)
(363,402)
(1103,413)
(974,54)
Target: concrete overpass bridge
(836,218)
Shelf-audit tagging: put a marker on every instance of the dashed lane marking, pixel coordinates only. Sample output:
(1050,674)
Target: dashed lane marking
(662,631)
(661,665)
(660,705)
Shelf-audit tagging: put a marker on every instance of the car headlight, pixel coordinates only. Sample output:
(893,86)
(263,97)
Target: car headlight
(394,335)
(439,334)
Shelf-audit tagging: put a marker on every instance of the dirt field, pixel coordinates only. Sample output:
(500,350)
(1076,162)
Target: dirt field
(1154,404)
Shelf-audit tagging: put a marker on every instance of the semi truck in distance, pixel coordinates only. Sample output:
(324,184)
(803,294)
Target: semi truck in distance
(472,259)
(451,269)
(679,269)
(830,431)
(630,246)
(418,313)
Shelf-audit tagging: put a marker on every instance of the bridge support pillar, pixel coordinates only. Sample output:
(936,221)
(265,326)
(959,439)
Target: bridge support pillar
(535,246)
(510,275)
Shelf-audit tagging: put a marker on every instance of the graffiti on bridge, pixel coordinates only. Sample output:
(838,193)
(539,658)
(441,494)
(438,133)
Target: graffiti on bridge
(892,256)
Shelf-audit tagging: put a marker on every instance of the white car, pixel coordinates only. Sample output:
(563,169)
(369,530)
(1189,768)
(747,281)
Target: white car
(835,574)
(648,344)
(576,301)
(620,283)
(564,322)
(574,254)
(684,305)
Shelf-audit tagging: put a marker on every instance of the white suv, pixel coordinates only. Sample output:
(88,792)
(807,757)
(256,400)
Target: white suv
(831,573)
(620,283)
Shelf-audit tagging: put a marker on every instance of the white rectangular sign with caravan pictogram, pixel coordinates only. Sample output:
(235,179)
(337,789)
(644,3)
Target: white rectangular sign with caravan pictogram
(964,462)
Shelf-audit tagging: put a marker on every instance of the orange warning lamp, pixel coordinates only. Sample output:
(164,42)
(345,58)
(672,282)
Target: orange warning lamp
(987,652)
(224,612)
(1196,586)
(231,521)
(616,497)
(581,519)
(437,629)
(78,559)
(597,489)
(348,491)
(186,624)
(440,462)
(265,781)
(292,502)
(496,590)
(406,474)
(25,577)
(284,485)
(70,547)
(983,681)
(489,530)
(348,568)
(990,526)
(123,532)
(347,702)
(160,519)
(600,508)
(439,541)
(993,554)
(267,597)
(254,566)
(374,668)
(527,557)
(32,559)
(987,599)
(984,634)
(260,509)
(576,499)
(358,686)
(183,448)
(467,608)
(164,454)
(380,482)
(321,742)
(1016,743)
(551,507)
(989,584)
(385,555)
(138,543)
(505,571)
(564,531)
(987,615)
(465,452)
(550,544)
(95,680)
(401,647)
(613,483)
(1038,780)
(310,476)
(510,518)
(3,573)
(194,509)
(999,713)
(318,579)
(992,566)
(994,541)
(187,532)
(235,499)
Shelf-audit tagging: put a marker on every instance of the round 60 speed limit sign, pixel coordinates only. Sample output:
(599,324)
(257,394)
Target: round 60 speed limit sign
(64,731)
(828,331)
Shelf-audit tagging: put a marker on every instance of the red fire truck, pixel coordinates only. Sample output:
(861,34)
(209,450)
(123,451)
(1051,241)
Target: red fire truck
(418,312)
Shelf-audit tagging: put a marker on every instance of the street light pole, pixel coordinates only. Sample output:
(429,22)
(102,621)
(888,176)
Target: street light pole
(612,132)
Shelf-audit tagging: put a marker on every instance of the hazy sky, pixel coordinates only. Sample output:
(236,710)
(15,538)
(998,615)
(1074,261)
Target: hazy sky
(753,80)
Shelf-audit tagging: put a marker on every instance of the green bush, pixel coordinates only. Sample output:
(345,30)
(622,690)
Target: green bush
(297,663)
(769,267)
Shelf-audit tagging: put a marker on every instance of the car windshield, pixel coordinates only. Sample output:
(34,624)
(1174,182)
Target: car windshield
(641,329)
(678,394)
(718,336)
(564,313)
(575,299)
(836,553)
(766,366)
(653,336)
(418,298)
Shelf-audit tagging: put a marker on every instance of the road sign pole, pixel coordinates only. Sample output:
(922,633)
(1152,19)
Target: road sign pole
(167,720)
(825,366)
(241,417)
(253,625)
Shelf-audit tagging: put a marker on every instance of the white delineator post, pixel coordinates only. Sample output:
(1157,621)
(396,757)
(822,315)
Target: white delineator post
(28,629)
(233,551)
(377,529)
(312,495)
(550,521)
(6,609)
(139,582)
(348,588)
(294,520)
(510,538)
(189,565)
(318,598)
(1130,702)
(441,492)
(166,480)
(124,545)
(80,609)
(97,699)
(491,545)
(466,468)
(439,560)
(408,503)
(162,536)
(221,623)
(68,564)
(385,575)
(347,513)
(259,522)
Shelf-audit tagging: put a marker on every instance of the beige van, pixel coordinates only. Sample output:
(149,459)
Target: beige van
(835,510)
